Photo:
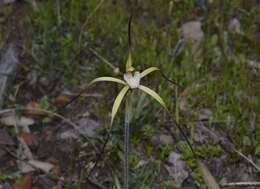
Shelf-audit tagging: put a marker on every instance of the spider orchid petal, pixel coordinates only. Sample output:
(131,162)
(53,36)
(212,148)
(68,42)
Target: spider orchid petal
(148,71)
(112,79)
(153,94)
(118,101)
(129,63)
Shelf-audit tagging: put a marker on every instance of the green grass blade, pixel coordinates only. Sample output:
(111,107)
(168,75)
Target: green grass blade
(153,94)
(116,181)
(112,79)
(148,71)
(117,102)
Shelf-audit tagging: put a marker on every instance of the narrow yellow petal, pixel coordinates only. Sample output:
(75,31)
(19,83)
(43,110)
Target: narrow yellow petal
(148,71)
(153,94)
(129,66)
(112,79)
(117,102)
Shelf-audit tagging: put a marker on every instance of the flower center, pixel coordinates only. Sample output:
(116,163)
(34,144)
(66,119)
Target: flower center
(132,80)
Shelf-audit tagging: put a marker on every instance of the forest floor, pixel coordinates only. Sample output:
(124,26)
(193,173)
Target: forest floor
(55,129)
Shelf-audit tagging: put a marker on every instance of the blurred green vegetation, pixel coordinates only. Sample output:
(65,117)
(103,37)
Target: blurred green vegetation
(61,37)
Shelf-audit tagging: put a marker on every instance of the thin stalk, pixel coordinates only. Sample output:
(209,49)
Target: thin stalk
(58,12)
(128,109)
(177,115)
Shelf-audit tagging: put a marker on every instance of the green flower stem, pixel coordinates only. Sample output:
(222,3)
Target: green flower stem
(177,113)
(128,110)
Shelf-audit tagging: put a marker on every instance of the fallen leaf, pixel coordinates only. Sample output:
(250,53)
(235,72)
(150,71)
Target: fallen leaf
(44,166)
(209,180)
(86,126)
(29,138)
(56,169)
(61,100)
(13,120)
(31,106)
(24,153)
(24,182)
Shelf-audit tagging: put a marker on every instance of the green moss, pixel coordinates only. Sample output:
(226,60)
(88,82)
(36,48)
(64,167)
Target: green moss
(209,150)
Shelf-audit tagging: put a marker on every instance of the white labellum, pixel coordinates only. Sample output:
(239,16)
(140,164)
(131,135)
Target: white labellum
(133,80)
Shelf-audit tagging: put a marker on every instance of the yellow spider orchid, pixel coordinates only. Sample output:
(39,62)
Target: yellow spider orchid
(131,81)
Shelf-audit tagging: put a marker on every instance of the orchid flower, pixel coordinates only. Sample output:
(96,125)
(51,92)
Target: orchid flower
(131,81)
